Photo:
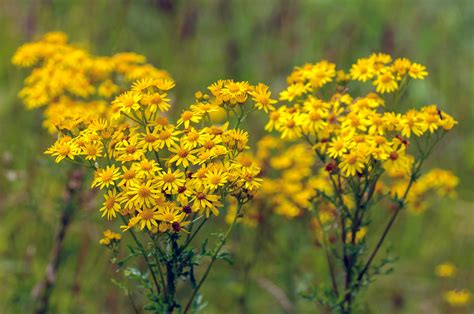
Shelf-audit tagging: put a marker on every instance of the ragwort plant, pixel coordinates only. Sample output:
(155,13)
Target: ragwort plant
(166,180)
(370,155)
(163,181)
(73,87)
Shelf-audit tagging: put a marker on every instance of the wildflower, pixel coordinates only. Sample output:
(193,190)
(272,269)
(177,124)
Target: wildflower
(128,176)
(234,92)
(337,147)
(401,66)
(215,178)
(110,237)
(294,91)
(156,101)
(92,150)
(170,181)
(167,137)
(143,193)
(63,148)
(351,164)
(205,201)
(147,217)
(261,96)
(171,218)
(445,270)
(417,71)
(105,177)
(127,102)
(111,206)
(150,140)
(187,117)
(363,70)
(183,155)
(385,82)
(457,297)
(145,168)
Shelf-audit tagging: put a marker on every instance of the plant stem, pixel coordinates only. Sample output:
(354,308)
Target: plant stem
(213,258)
(189,239)
(328,257)
(145,256)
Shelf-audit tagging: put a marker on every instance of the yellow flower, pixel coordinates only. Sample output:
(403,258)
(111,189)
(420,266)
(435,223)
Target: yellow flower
(111,205)
(206,201)
(215,178)
(293,91)
(128,176)
(92,150)
(289,127)
(337,147)
(234,92)
(171,217)
(143,193)
(385,82)
(262,99)
(147,217)
(170,181)
(129,149)
(110,237)
(417,71)
(63,148)
(167,137)
(458,297)
(106,177)
(363,70)
(445,270)
(156,101)
(127,102)
(411,122)
(351,164)
(183,155)
(401,66)
(187,117)
(145,168)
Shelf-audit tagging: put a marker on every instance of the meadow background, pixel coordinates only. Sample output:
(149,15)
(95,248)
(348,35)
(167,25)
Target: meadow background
(199,42)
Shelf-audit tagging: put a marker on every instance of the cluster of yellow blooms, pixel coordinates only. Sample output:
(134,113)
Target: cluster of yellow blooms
(367,152)
(74,84)
(110,238)
(458,297)
(157,173)
(354,135)
(442,182)
(154,172)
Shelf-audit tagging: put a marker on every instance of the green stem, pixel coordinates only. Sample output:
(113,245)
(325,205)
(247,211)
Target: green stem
(189,239)
(213,258)
(142,250)
(328,256)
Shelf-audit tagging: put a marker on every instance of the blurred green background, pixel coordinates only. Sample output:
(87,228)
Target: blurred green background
(199,42)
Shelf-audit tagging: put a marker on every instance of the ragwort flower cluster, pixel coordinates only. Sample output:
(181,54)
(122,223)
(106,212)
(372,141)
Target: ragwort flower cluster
(369,153)
(74,84)
(163,177)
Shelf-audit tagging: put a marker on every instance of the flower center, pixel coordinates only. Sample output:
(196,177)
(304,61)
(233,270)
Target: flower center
(169,178)
(144,191)
(147,214)
(150,138)
(110,202)
(164,135)
(187,115)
